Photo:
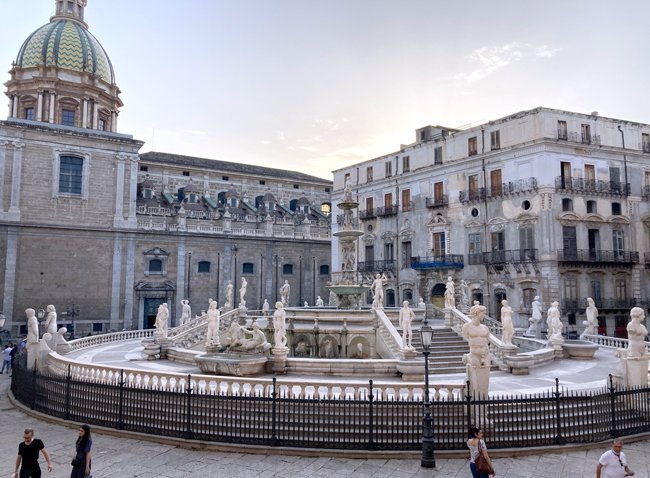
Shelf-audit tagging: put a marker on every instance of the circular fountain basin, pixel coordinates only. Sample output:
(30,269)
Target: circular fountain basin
(579,349)
(348,233)
(229,363)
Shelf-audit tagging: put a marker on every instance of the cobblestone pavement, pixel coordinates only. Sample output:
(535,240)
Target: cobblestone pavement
(118,457)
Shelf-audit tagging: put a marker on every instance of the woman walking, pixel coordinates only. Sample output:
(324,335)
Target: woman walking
(81,462)
(477,447)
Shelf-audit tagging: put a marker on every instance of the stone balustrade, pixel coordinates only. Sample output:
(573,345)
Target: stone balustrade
(611,342)
(108,338)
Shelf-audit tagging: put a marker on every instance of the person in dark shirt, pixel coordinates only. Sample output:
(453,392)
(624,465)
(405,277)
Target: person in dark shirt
(28,455)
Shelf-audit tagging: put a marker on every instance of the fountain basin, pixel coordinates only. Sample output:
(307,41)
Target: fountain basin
(230,363)
(579,349)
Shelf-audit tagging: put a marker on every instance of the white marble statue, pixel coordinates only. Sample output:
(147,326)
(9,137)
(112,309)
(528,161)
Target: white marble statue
(406,318)
(450,294)
(349,255)
(421,304)
(347,190)
(554,323)
(229,304)
(186,311)
(319,302)
(214,318)
(464,294)
(508,330)
(636,334)
(285,291)
(306,304)
(162,317)
(50,321)
(32,326)
(265,308)
(535,320)
(477,335)
(377,289)
(279,326)
(256,343)
(333,300)
(591,324)
(242,292)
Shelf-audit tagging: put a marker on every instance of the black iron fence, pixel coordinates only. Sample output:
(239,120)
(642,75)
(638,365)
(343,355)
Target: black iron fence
(551,418)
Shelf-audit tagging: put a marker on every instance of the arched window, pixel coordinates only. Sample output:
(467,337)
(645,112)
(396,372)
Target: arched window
(326,208)
(287,269)
(390,298)
(155,265)
(408,295)
(324,270)
(259,201)
(247,268)
(204,266)
(221,197)
(293,204)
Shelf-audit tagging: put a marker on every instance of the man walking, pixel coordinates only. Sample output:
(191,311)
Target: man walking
(28,455)
(6,358)
(612,463)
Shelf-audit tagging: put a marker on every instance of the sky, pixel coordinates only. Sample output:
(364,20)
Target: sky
(317,85)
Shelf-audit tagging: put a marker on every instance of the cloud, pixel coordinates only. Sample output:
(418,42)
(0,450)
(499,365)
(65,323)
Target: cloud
(493,58)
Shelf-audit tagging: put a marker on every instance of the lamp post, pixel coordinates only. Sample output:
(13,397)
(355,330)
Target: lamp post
(72,311)
(428,460)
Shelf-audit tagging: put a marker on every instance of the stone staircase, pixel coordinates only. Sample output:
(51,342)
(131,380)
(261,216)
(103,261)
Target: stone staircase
(447,350)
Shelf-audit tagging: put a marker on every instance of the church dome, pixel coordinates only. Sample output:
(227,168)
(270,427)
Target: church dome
(68,45)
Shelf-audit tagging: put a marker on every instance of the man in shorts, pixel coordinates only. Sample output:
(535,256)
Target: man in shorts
(28,455)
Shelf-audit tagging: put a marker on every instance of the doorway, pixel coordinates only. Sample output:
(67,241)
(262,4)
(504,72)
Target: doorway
(150,311)
(438,295)
(499,295)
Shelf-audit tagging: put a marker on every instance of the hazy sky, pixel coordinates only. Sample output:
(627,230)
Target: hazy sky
(317,85)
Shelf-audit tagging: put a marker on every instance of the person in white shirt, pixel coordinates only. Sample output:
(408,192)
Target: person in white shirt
(612,463)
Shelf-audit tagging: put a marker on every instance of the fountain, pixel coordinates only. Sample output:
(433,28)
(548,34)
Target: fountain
(346,284)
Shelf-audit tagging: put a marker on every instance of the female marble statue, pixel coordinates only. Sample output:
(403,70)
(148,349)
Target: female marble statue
(506,321)
(214,318)
(229,295)
(161,319)
(450,294)
(319,302)
(242,291)
(591,324)
(32,326)
(636,334)
(464,293)
(265,307)
(279,325)
(553,322)
(50,321)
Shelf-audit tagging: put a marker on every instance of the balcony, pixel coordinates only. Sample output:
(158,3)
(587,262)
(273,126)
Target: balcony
(434,202)
(516,256)
(449,261)
(645,194)
(579,305)
(475,258)
(521,186)
(386,210)
(472,195)
(598,257)
(575,137)
(591,186)
(368,214)
(376,266)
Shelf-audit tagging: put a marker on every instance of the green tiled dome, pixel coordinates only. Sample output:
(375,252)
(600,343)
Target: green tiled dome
(66,44)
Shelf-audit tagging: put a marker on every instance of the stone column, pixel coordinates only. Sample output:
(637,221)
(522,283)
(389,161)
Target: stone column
(84,113)
(15,107)
(95,114)
(118,219)
(129,278)
(3,154)
(14,207)
(52,106)
(12,100)
(113,121)
(39,111)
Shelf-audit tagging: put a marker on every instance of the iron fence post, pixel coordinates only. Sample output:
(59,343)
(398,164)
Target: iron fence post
(468,406)
(558,419)
(33,404)
(371,438)
(120,404)
(612,398)
(68,379)
(188,430)
(274,395)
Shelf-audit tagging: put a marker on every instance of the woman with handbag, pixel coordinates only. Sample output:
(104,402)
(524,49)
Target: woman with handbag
(479,461)
(81,461)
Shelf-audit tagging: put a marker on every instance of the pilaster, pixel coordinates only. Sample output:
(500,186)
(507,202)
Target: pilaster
(16,176)
(116,289)
(118,219)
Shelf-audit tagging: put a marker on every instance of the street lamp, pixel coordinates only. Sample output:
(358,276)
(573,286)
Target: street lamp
(428,460)
(72,311)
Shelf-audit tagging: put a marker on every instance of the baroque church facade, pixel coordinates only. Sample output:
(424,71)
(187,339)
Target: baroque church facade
(543,202)
(107,234)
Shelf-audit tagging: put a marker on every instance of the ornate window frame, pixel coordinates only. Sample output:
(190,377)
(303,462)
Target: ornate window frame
(85,173)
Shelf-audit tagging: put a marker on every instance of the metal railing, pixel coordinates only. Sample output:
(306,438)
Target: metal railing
(602,304)
(645,194)
(376,266)
(596,255)
(368,214)
(593,186)
(521,186)
(515,256)
(367,421)
(576,137)
(448,261)
(472,195)
(433,202)
(386,210)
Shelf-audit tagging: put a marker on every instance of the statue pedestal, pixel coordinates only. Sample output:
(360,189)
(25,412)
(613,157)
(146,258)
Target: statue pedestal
(33,349)
(556,343)
(151,348)
(448,317)
(412,370)
(279,359)
(163,342)
(212,348)
(479,380)
(636,371)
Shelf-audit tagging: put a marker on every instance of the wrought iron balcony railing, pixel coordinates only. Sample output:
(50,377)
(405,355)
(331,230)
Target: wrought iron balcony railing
(442,201)
(576,137)
(646,193)
(515,256)
(472,195)
(386,210)
(449,261)
(595,255)
(593,186)
(520,186)
(377,266)
(368,214)
(475,258)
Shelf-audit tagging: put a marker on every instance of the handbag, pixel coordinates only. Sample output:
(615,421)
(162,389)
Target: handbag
(75,462)
(482,465)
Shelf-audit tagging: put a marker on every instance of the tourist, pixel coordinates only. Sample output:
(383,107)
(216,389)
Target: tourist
(81,462)
(476,446)
(28,456)
(612,463)
(6,358)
